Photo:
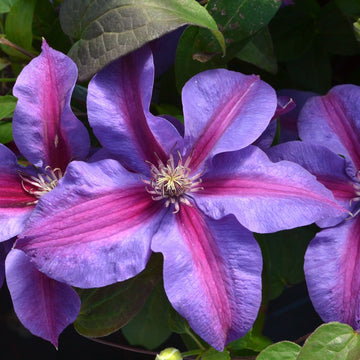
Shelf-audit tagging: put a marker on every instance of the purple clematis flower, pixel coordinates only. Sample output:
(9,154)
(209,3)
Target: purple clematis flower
(194,198)
(330,125)
(49,136)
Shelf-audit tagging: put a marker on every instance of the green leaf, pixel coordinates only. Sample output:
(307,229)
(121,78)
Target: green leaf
(349,7)
(283,254)
(213,354)
(284,350)
(332,341)
(7,106)
(293,31)
(5,132)
(110,29)
(259,51)
(21,13)
(237,20)
(335,32)
(251,341)
(312,71)
(4,63)
(105,310)
(177,323)
(5,5)
(150,328)
(47,25)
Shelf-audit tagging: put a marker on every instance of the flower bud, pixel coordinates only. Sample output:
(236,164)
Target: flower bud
(169,354)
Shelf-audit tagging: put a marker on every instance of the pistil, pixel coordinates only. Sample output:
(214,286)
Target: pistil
(42,183)
(173,182)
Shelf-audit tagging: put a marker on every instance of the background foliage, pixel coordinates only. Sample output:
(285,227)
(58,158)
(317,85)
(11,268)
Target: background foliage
(310,45)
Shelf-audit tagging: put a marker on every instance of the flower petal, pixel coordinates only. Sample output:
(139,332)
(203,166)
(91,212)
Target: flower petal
(212,273)
(289,120)
(118,109)
(44,306)
(94,228)
(45,129)
(15,203)
(333,121)
(328,167)
(332,266)
(264,196)
(224,111)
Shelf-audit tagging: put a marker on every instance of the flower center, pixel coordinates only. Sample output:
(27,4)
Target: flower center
(173,182)
(42,183)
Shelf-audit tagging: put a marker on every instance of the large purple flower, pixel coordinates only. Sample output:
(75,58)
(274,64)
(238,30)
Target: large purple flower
(194,198)
(330,125)
(49,136)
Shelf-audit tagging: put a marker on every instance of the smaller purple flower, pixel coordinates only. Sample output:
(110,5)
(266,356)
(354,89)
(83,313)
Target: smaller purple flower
(330,129)
(195,197)
(49,136)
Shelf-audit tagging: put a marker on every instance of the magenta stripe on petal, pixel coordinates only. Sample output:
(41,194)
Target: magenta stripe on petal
(43,305)
(12,194)
(94,239)
(341,124)
(333,121)
(224,111)
(264,196)
(332,267)
(212,273)
(45,129)
(120,94)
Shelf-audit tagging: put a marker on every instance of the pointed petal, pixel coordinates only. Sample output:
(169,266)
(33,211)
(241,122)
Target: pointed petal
(120,94)
(94,228)
(328,167)
(288,121)
(15,207)
(45,129)
(44,306)
(212,273)
(333,121)
(224,111)
(332,266)
(264,196)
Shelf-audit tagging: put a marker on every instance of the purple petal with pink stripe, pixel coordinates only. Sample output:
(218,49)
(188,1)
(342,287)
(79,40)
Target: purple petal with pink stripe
(332,267)
(212,273)
(45,129)
(96,226)
(328,167)
(118,110)
(43,305)
(264,196)
(224,111)
(333,121)
(15,204)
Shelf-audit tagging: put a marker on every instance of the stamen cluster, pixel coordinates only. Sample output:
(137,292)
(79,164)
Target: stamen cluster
(173,182)
(42,183)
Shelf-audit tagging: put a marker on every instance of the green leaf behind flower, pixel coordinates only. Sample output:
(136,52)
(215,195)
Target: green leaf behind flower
(110,29)
(105,310)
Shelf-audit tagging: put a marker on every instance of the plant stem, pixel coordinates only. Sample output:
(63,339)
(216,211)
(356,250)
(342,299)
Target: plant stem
(6,42)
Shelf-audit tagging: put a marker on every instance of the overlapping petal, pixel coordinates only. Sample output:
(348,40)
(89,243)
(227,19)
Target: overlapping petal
(328,167)
(45,129)
(15,204)
(332,266)
(43,305)
(212,273)
(333,121)
(118,110)
(224,111)
(264,196)
(94,228)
